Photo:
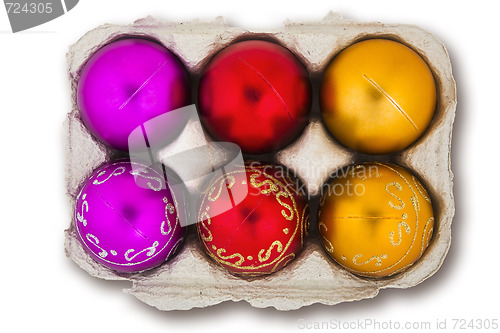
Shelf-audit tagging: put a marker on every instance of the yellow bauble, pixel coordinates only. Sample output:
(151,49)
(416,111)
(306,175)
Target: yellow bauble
(375,219)
(377,96)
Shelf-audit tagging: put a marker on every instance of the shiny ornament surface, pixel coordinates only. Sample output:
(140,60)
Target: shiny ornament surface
(256,94)
(265,231)
(375,219)
(126,218)
(377,96)
(125,84)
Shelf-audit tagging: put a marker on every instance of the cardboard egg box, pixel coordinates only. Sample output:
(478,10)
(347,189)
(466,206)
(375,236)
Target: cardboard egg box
(191,279)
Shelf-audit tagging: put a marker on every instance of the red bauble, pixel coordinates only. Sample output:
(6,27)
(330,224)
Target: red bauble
(265,231)
(255,94)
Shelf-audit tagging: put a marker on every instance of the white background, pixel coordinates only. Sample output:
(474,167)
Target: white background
(41,289)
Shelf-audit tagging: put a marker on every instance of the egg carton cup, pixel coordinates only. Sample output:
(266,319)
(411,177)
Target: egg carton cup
(190,279)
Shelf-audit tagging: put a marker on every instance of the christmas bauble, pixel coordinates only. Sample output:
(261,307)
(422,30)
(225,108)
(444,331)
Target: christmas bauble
(377,96)
(375,219)
(127,83)
(255,94)
(265,231)
(126,217)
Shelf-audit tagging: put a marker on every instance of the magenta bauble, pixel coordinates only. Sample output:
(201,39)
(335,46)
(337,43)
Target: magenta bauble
(125,84)
(126,217)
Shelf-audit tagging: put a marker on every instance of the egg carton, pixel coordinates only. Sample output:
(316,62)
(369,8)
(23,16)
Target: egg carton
(190,279)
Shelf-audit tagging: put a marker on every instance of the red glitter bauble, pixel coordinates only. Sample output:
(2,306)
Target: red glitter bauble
(265,231)
(256,94)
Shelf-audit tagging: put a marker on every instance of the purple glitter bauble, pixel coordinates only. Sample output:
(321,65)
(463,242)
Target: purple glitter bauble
(126,217)
(125,84)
